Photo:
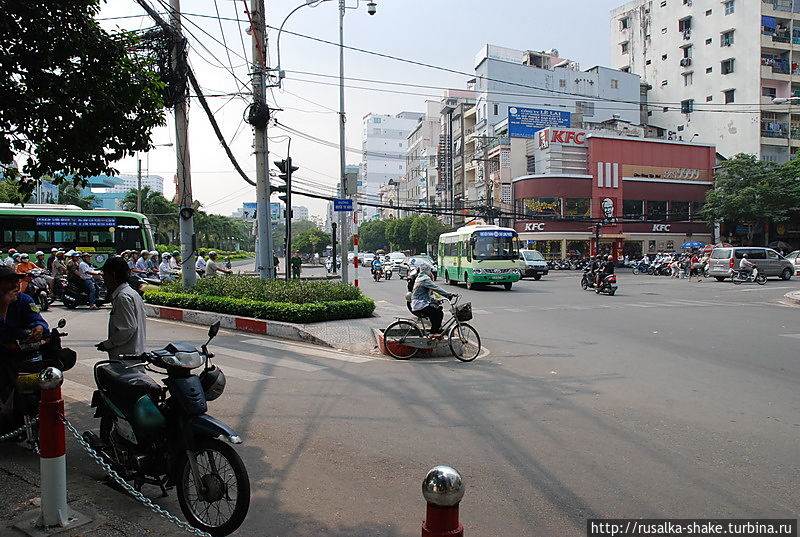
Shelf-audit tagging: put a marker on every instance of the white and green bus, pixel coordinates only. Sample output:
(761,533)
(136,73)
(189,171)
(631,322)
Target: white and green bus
(480,254)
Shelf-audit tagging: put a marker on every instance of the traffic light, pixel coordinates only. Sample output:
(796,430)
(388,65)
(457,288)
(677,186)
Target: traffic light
(286,169)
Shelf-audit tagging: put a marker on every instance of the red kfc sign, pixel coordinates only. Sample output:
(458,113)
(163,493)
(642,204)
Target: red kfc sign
(561,136)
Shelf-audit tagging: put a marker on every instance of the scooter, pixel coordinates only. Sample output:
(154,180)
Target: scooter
(587,280)
(377,273)
(75,293)
(38,289)
(162,435)
(20,394)
(387,272)
(608,285)
(738,277)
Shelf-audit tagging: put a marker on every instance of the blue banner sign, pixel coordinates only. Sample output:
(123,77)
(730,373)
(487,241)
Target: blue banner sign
(75,221)
(496,233)
(340,205)
(526,122)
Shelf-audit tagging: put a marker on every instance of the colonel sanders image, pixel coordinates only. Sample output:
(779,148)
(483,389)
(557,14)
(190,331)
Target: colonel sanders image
(608,207)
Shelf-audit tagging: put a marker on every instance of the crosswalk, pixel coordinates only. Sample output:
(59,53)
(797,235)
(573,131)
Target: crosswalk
(263,360)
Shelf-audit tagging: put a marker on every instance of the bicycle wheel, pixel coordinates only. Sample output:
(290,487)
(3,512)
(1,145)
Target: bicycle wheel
(465,343)
(395,336)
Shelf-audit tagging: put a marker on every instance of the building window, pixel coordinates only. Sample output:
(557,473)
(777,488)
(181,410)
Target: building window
(562,83)
(663,56)
(730,96)
(687,79)
(708,12)
(687,51)
(648,62)
(624,47)
(709,69)
(663,3)
(632,209)
(542,206)
(685,25)
(614,83)
(709,41)
(663,30)
(727,66)
(679,210)
(709,98)
(657,209)
(726,39)
(665,109)
(729,6)
(664,82)
(624,24)
(496,109)
(768,92)
(687,106)
(626,69)
(577,207)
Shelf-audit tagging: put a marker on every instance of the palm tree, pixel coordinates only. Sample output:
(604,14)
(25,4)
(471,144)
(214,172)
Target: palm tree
(69,194)
(162,213)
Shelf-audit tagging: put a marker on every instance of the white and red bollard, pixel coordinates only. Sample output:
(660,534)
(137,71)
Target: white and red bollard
(443,489)
(52,451)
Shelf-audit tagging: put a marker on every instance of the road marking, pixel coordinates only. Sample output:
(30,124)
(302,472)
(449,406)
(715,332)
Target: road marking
(311,351)
(229,371)
(795,336)
(764,288)
(264,359)
(77,392)
(514,310)
(481,312)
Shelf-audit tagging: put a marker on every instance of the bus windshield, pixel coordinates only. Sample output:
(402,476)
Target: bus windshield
(485,247)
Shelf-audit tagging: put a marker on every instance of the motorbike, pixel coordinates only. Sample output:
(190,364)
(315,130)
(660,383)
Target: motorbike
(377,273)
(136,283)
(163,436)
(19,389)
(738,277)
(640,268)
(38,289)
(76,294)
(387,272)
(587,280)
(607,285)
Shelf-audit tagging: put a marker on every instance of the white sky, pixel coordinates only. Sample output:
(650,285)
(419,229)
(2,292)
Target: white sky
(446,33)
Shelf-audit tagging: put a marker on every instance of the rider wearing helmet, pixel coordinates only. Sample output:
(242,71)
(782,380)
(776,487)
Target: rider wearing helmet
(40,262)
(9,261)
(422,302)
(18,311)
(24,266)
(165,269)
(175,259)
(746,266)
(212,267)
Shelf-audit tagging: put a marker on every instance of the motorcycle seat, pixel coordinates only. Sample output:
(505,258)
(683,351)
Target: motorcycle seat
(127,384)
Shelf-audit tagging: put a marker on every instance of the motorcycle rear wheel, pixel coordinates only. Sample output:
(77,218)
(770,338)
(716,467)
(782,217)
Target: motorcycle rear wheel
(761,279)
(584,284)
(225,477)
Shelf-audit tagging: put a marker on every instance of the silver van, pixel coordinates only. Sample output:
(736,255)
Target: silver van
(532,264)
(769,262)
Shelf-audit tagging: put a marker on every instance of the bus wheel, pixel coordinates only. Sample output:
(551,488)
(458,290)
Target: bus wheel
(469,284)
(507,286)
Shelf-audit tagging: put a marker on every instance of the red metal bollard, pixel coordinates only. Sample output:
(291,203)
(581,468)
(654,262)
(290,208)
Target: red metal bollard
(443,489)
(52,451)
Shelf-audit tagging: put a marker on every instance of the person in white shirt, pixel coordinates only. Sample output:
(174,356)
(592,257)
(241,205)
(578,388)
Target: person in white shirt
(87,274)
(165,269)
(200,265)
(175,260)
(143,263)
(212,267)
(126,324)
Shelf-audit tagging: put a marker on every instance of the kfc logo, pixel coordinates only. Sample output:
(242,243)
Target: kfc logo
(564,137)
(544,139)
(608,207)
(534,226)
(661,227)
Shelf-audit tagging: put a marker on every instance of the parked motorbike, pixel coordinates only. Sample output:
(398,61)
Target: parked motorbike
(76,294)
(38,289)
(19,381)
(738,277)
(162,435)
(608,285)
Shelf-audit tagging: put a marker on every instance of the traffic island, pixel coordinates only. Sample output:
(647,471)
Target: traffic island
(793,297)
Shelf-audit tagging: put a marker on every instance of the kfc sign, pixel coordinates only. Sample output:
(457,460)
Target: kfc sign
(561,136)
(661,227)
(534,226)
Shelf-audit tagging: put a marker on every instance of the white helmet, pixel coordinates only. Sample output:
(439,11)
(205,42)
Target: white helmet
(212,252)
(166,255)
(144,252)
(154,252)
(39,253)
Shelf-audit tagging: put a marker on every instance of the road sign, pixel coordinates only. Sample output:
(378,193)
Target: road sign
(342,205)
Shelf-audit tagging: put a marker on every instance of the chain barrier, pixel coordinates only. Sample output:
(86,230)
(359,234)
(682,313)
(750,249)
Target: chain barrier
(119,480)
(13,434)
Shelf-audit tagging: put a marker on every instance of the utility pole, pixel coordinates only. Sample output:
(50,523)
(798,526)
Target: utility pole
(343,222)
(259,118)
(186,220)
(138,185)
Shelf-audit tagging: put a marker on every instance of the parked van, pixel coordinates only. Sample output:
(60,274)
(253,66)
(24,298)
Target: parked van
(532,264)
(769,262)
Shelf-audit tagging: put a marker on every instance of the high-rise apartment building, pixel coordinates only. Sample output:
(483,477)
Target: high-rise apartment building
(129,182)
(714,68)
(419,187)
(384,142)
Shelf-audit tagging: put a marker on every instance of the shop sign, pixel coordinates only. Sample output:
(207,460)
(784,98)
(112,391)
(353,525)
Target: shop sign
(561,136)
(659,172)
(534,226)
(662,227)
(526,122)
(608,207)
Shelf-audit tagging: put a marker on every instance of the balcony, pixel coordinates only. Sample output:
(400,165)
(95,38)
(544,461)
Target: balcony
(776,71)
(779,7)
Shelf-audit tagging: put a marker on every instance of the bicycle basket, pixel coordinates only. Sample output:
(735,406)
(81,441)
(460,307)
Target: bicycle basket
(464,312)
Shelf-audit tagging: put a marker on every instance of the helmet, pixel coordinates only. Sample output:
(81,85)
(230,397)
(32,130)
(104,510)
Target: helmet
(425,269)
(39,253)
(53,250)
(213,382)
(11,251)
(154,252)
(22,256)
(212,252)
(176,252)
(75,253)
(17,256)
(85,254)
(144,252)
(166,255)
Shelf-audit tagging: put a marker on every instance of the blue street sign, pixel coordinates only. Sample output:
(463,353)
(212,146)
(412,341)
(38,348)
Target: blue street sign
(342,205)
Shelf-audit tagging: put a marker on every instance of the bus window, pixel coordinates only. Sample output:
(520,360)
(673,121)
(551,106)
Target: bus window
(495,248)
(467,250)
(44,237)
(83,238)
(63,237)
(25,236)
(8,236)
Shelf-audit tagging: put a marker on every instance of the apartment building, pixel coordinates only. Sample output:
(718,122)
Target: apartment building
(714,68)
(129,182)
(419,187)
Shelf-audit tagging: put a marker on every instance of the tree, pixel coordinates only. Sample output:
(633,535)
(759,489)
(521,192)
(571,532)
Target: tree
(162,213)
(69,194)
(753,192)
(301,226)
(418,235)
(311,241)
(73,98)
(8,192)
(372,235)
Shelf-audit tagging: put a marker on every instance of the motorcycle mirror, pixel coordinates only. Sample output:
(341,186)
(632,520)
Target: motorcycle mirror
(62,323)
(213,331)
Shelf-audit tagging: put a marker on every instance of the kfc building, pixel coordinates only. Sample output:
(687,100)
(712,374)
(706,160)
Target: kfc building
(647,193)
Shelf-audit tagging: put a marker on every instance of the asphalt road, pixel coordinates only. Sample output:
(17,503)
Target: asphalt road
(670,399)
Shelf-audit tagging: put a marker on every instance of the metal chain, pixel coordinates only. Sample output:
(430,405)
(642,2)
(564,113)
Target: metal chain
(14,434)
(128,488)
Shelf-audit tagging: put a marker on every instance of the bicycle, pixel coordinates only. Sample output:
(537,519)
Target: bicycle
(405,337)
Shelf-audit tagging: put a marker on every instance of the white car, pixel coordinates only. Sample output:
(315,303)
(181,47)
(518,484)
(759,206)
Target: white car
(365,259)
(397,259)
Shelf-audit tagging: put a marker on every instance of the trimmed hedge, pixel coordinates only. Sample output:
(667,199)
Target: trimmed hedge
(310,312)
(293,291)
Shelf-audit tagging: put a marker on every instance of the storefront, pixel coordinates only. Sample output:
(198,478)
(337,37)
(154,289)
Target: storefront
(635,196)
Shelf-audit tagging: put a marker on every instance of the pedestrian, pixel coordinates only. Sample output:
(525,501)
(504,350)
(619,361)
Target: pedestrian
(126,322)
(296,262)
(87,274)
(212,267)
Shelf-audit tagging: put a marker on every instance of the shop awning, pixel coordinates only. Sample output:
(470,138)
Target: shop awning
(614,236)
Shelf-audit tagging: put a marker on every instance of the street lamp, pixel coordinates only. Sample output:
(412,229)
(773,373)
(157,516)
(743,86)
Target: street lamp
(396,184)
(139,176)
(372,8)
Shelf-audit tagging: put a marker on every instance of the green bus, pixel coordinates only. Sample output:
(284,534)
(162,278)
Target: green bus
(99,231)
(480,254)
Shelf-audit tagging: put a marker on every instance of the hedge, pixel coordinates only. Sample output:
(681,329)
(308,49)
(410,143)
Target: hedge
(293,291)
(310,312)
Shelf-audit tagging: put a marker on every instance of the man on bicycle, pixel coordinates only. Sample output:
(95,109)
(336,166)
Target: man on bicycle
(422,302)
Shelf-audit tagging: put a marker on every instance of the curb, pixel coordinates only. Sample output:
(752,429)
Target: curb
(275,329)
(793,296)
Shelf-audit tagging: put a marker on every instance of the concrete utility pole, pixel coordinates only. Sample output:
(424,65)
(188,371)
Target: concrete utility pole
(266,267)
(186,220)
(343,216)
(138,185)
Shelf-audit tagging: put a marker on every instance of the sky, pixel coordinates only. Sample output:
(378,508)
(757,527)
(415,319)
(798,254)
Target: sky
(445,33)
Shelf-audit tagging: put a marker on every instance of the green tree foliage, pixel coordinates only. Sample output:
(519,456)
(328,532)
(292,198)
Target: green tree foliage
(372,235)
(73,98)
(311,241)
(69,194)
(750,191)
(410,233)
(8,192)
(162,213)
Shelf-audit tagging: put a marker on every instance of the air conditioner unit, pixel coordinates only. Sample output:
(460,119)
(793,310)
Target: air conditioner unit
(686,62)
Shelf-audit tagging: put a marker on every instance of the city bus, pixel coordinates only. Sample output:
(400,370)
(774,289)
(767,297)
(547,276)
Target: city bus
(99,231)
(480,254)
